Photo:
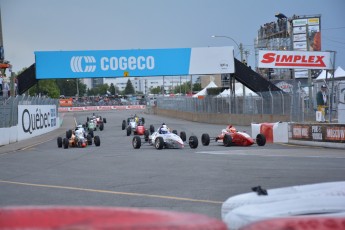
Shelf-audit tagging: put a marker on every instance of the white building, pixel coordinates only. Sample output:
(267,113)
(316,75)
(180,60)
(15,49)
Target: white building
(144,84)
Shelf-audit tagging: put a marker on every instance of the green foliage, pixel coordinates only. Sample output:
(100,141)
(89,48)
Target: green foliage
(197,87)
(112,89)
(156,90)
(45,87)
(68,87)
(129,88)
(99,90)
(214,91)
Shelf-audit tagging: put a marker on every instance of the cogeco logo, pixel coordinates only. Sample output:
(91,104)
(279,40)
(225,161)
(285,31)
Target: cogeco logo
(35,121)
(77,63)
(130,63)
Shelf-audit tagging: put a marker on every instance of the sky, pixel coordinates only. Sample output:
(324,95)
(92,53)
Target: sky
(64,25)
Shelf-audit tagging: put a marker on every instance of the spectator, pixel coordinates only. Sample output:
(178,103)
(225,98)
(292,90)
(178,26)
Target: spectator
(1,80)
(322,101)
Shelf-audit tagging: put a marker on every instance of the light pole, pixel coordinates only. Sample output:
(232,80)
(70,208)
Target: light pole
(240,47)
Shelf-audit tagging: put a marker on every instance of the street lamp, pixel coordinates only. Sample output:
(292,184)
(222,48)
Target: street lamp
(240,47)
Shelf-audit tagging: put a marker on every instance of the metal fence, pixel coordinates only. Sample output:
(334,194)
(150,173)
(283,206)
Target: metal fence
(9,107)
(294,104)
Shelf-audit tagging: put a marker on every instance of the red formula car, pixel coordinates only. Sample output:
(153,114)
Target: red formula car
(231,137)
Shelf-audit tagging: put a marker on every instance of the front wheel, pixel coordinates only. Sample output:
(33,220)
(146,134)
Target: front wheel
(227,140)
(97,140)
(136,142)
(159,143)
(59,142)
(260,139)
(123,125)
(152,129)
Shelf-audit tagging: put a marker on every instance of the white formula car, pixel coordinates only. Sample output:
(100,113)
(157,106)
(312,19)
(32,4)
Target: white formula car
(169,140)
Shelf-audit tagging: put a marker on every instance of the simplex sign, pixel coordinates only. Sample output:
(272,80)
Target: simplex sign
(136,63)
(294,59)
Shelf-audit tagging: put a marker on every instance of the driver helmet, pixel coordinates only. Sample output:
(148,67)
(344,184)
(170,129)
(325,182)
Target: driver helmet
(231,129)
(164,130)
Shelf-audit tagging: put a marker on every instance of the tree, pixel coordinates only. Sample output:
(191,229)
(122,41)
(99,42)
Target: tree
(112,89)
(45,87)
(156,90)
(129,88)
(68,87)
(197,87)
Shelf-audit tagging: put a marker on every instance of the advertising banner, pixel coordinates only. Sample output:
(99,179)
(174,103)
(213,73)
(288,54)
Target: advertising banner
(134,63)
(34,120)
(294,59)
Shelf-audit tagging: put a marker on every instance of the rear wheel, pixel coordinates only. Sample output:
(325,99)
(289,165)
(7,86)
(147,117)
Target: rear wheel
(101,126)
(183,136)
(136,142)
(68,134)
(260,139)
(91,133)
(104,120)
(59,142)
(146,135)
(128,131)
(193,142)
(205,139)
(152,129)
(89,139)
(97,140)
(227,140)
(159,143)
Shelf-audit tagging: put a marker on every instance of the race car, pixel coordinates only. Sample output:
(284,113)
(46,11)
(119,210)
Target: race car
(78,138)
(95,122)
(135,125)
(166,139)
(231,137)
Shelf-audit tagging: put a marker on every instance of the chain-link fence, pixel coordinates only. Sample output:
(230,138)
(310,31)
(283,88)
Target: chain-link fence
(9,107)
(294,104)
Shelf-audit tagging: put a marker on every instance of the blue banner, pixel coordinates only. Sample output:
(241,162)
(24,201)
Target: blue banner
(112,63)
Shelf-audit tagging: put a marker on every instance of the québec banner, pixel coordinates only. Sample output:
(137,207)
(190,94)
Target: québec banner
(34,120)
(294,59)
(134,63)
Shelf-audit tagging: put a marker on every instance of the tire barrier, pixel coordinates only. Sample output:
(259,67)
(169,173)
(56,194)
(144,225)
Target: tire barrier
(63,217)
(274,132)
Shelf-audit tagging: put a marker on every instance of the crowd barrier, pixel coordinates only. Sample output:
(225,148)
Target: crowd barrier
(101,108)
(274,132)
(34,120)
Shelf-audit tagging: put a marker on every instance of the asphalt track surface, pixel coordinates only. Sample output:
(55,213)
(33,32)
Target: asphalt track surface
(37,172)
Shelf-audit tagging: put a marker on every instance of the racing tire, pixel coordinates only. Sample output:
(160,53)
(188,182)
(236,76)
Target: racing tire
(260,139)
(104,120)
(128,131)
(101,127)
(91,133)
(97,141)
(205,139)
(68,134)
(227,140)
(59,142)
(174,132)
(193,142)
(143,120)
(89,139)
(159,143)
(123,125)
(183,136)
(65,143)
(146,135)
(152,129)
(136,142)
(87,119)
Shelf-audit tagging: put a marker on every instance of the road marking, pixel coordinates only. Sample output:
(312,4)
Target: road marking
(256,154)
(112,192)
